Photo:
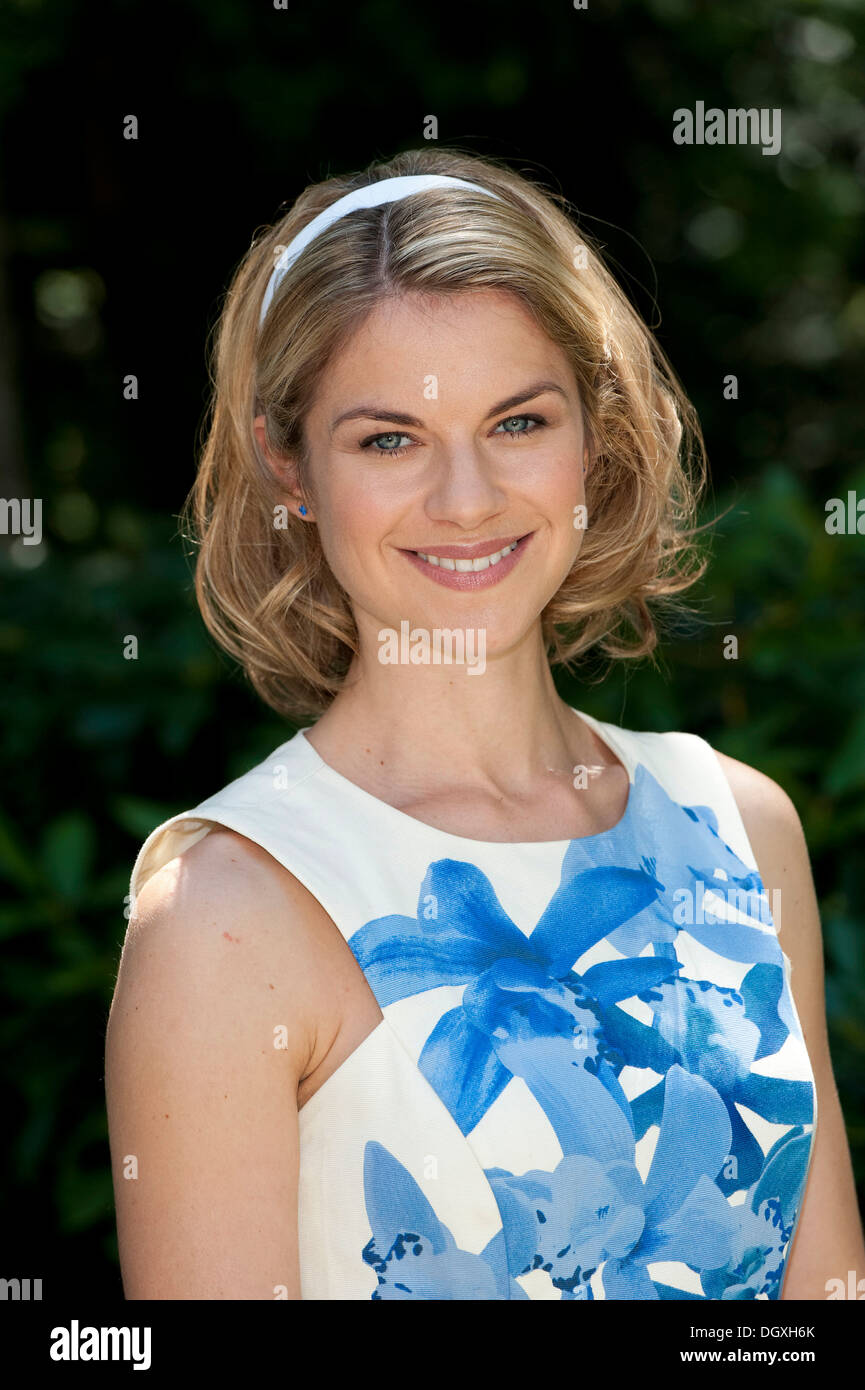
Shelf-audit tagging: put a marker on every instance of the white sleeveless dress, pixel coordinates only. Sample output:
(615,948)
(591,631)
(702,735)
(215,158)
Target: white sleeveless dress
(589,1080)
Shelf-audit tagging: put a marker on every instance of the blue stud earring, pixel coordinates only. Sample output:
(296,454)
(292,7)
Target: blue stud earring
(302,509)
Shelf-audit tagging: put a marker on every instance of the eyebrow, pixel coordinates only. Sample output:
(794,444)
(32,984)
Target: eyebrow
(398,417)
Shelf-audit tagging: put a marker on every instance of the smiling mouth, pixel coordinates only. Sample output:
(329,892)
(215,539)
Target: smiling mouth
(465,566)
(470,567)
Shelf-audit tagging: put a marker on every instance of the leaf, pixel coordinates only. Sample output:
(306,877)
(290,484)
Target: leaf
(847,768)
(68,850)
(139,816)
(15,863)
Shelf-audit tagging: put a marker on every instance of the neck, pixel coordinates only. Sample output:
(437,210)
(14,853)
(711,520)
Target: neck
(429,723)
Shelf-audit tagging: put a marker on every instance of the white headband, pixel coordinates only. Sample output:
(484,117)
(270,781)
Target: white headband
(368,196)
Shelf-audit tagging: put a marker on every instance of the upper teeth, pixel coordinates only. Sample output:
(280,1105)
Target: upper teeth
(465,566)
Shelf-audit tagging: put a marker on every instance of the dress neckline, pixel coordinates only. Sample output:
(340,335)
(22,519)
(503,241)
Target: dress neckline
(613,745)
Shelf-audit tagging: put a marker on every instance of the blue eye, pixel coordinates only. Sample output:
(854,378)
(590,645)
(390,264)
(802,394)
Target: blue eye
(515,434)
(373,445)
(391,453)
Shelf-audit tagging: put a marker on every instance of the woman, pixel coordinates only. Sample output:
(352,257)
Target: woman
(462,993)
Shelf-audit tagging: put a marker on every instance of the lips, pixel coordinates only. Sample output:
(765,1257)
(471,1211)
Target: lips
(468,552)
(466,566)
(470,567)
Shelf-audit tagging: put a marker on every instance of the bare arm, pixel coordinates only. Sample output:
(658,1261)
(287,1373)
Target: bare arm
(202,1106)
(828,1240)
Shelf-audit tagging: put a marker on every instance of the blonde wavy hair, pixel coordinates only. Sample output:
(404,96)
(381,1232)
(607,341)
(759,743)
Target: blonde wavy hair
(267,594)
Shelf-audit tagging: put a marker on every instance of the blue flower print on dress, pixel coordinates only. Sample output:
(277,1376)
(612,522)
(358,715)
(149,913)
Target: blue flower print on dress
(715,1032)
(766,1223)
(594,1209)
(414,1254)
(529,1010)
(519,989)
(719,1033)
(689,857)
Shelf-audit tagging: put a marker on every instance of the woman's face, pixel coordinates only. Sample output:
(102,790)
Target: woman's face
(451,427)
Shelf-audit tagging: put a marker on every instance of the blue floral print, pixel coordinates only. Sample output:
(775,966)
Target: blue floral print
(414,1254)
(592,1224)
(719,1033)
(594,1211)
(517,985)
(766,1224)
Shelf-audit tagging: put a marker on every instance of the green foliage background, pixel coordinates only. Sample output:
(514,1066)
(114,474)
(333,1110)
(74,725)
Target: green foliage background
(113,256)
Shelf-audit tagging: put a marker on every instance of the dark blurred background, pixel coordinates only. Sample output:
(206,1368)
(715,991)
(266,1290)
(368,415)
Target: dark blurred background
(113,256)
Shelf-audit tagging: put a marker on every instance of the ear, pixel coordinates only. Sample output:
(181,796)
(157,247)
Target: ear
(283,469)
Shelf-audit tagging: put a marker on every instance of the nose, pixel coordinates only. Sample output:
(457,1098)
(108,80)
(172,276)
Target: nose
(464,489)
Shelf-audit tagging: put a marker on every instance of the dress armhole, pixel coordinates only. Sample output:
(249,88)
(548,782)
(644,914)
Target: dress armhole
(163,844)
(179,833)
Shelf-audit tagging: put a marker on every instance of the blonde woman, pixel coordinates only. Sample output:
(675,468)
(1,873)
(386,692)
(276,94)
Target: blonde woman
(463,993)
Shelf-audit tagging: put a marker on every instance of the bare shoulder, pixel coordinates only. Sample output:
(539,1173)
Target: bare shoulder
(210,1029)
(222,867)
(765,807)
(226,921)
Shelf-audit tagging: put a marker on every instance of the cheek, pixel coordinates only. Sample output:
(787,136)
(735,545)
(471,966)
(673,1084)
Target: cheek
(352,521)
(564,506)
(563,489)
